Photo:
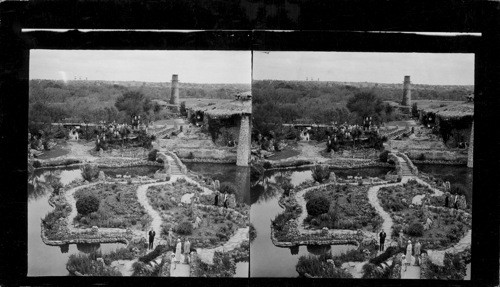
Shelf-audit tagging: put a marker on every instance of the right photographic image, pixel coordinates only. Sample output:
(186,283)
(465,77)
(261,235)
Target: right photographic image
(361,165)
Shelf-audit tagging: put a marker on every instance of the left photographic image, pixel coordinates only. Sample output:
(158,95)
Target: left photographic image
(138,163)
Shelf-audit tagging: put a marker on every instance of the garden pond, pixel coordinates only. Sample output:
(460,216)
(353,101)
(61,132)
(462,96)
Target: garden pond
(38,207)
(264,197)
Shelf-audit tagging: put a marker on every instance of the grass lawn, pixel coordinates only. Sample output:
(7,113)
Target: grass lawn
(59,150)
(352,208)
(288,152)
(119,207)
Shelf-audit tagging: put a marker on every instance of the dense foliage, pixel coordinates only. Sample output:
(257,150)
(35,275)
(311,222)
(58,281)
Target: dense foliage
(317,205)
(276,102)
(89,172)
(184,228)
(88,265)
(228,187)
(320,173)
(223,266)
(320,266)
(87,204)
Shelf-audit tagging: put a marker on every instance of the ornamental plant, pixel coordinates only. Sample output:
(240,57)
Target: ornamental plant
(87,204)
(317,206)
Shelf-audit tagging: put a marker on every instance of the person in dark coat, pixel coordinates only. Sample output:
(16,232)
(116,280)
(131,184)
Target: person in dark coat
(382,236)
(216,201)
(225,200)
(446,201)
(151,234)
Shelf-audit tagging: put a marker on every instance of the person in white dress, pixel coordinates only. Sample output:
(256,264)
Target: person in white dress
(178,249)
(409,249)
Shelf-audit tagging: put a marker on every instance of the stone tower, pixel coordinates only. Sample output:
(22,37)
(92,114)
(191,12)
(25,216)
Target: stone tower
(174,92)
(243,152)
(406,92)
(470,154)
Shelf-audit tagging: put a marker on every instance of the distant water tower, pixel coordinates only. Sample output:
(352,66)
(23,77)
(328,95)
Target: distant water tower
(406,92)
(174,92)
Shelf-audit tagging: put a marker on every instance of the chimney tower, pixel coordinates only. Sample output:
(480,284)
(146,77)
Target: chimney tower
(174,92)
(406,92)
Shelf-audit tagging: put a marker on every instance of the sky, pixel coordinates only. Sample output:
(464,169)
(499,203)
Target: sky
(144,66)
(423,68)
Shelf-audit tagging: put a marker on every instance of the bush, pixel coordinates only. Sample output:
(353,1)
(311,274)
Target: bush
(252,234)
(159,249)
(320,267)
(415,229)
(267,165)
(317,206)
(36,164)
(152,155)
(184,228)
(89,172)
(388,253)
(320,173)
(383,156)
(421,157)
(87,204)
(229,188)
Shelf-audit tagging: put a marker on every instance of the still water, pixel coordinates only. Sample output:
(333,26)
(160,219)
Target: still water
(38,207)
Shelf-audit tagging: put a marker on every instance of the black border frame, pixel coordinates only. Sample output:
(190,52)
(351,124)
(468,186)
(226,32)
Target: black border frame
(343,16)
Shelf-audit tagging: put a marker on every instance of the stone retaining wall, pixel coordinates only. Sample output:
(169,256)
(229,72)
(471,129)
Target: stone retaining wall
(209,160)
(337,239)
(206,153)
(291,164)
(88,238)
(443,162)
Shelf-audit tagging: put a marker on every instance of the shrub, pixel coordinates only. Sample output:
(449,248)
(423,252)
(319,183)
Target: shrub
(252,234)
(184,228)
(317,206)
(415,229)
(320,267)
(320,173)
(87,204)
(267,165)
(421,157)
(388,253)
(281,219)
(229,188)
(383,156)
(89,172)
(159,249)
(152,155)
(86,264)
(36,164)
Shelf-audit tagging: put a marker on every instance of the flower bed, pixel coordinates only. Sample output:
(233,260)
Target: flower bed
(435,227)
(349,209)
(216,225)
(118,207)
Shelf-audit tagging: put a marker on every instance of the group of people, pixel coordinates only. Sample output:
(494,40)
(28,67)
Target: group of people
(180,247)
(410,249)
(218,197)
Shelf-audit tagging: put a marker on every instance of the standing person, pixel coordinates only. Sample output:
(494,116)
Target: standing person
(178,251)
(382,236)
(455,202)
(401,240)
(187,250)
(169,237)
(225,200)
(216,201)
(151,234)
(446,201)
(417,252)
(409,248)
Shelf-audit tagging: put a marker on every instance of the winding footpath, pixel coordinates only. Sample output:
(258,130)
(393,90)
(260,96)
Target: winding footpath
(412,272)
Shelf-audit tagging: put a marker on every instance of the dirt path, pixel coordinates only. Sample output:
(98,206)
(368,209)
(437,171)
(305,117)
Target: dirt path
(207,254)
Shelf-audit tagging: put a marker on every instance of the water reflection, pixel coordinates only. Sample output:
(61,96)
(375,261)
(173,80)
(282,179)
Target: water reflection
(88,248)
